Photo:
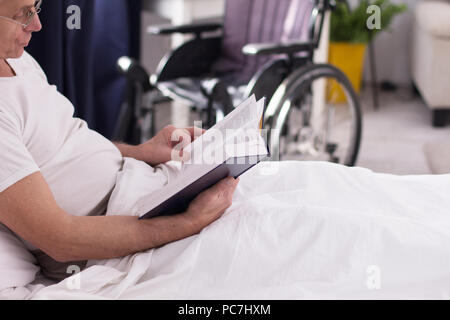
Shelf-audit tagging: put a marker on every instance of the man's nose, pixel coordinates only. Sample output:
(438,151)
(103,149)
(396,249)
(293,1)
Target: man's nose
(35,24)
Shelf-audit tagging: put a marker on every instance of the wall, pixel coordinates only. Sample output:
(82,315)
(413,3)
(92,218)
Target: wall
(392,49)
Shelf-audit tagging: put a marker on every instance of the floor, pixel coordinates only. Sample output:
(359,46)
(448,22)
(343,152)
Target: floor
(394,137)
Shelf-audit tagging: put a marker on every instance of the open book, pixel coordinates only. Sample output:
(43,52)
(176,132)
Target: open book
(230,148)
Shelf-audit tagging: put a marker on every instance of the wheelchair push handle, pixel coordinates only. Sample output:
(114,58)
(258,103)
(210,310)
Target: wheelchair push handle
(329,4)
(134,72)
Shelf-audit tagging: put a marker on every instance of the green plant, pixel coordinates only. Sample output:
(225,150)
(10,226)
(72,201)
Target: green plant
(350,25)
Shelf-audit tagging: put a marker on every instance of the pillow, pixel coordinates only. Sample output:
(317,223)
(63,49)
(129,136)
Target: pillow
(18,266)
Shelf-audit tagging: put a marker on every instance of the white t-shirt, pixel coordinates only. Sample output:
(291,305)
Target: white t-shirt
(39,133)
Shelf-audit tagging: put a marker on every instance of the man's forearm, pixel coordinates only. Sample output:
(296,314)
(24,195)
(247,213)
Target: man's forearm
(106,237)
(129,151)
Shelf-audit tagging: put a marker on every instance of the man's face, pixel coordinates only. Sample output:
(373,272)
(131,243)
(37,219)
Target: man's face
(13,37)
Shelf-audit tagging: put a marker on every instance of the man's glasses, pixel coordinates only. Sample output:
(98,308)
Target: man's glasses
(26,17)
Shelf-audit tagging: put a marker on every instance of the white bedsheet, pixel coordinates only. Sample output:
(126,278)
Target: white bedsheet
(314,230)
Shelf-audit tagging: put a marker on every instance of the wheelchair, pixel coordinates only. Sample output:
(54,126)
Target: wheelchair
(265,48)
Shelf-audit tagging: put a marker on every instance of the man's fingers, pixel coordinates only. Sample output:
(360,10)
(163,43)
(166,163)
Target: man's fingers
(181,135)
(227,183)
(180,139)
(232,184)
(232,181)
(195,132)
(175,134)
(185,155)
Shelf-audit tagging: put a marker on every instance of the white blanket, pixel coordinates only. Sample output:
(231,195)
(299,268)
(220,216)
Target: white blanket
(313,230)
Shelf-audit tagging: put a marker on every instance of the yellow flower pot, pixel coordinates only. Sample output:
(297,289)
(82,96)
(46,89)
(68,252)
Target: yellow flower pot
(349,58)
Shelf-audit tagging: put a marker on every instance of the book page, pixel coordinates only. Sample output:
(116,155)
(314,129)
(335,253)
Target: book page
(247,140)
(245,118)
(239,117)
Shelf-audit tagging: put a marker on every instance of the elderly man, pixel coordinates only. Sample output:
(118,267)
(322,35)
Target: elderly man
(56,174)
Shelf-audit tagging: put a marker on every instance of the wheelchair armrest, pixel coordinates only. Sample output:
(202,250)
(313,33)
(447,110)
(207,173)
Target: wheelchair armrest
(196,28)
(277,48)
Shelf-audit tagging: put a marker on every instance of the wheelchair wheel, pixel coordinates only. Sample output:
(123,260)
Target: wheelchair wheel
(315,115)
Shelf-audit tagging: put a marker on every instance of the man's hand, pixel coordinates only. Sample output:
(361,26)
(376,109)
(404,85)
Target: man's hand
(167,145)
(212,203)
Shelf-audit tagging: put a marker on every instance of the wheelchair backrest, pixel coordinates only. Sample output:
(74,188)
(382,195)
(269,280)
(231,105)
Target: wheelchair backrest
(260,21)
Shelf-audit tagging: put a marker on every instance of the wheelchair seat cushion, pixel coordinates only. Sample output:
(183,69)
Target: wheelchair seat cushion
(186,89)
(196,91)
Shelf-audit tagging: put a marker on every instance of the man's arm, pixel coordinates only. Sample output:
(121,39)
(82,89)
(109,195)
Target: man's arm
(29,209)
(129,151)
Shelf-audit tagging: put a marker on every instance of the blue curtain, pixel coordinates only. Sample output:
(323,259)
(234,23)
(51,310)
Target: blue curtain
(82,62)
